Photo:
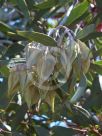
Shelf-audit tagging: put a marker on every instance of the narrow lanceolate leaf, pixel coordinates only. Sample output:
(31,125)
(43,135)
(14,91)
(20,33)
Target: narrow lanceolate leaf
(96,68)
(30,4)
(5,28)
(92,35)
(14,36)
(38,37)
(23,7)
(62,131)
(46,4)
(80,90)
(97,53)
(77,12)
(86,31)
(82,110)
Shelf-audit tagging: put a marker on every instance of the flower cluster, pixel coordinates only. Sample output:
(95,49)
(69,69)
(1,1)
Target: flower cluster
(47,68)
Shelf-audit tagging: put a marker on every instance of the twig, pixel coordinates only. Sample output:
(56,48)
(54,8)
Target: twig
(95,131)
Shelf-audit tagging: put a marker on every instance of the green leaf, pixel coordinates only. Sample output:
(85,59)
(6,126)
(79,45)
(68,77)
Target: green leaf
(99,62)
(1,2)
(97,53)
(46,4)
(86,31)
(30,4)
(14,50)
(62,131)
(96,68)
(3,63)
(5,28)
(23,7)
(96,88)
(19,116)
(81,115)
(13,2)
(41,131)
(89,32)
(3,68)
(99,4)
(13,106)
(16,37)
(80,90)
(3,92)
(77,12)
(38,37)
(6,133)
(95,99)
(4,71)
(82,111)
(92,35)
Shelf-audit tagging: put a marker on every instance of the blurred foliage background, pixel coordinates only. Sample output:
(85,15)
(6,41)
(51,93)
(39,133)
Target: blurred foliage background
(19,22)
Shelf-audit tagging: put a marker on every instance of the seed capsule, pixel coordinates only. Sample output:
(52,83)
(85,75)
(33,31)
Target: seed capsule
(31,95)
(85,56)
(13,83)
